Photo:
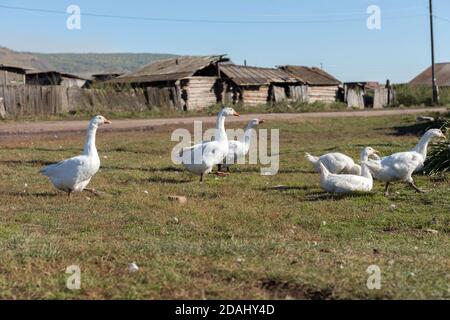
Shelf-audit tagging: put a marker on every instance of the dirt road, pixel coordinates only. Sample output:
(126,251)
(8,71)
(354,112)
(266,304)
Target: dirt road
(51,127)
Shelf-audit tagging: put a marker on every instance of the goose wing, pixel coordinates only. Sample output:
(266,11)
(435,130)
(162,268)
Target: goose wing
(70,171)
(336,162)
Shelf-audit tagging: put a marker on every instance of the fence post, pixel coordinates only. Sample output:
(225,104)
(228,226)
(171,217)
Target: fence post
(2,109)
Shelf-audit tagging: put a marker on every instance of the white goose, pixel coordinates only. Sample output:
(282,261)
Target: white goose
(201,158)
(239,148)
(401,166)
(74,174)
(339,163)
(347,183)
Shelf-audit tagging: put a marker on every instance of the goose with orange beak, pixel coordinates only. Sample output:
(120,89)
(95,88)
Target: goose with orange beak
(238,149)
(201,158)
(74,174)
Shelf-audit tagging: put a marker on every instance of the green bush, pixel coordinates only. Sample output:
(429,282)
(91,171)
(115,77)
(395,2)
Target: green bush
(438,160)
(408,95)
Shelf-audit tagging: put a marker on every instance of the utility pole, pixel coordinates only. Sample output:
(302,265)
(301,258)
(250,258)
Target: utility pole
(433,71)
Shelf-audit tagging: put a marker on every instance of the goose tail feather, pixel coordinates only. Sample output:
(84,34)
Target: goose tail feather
(314,160)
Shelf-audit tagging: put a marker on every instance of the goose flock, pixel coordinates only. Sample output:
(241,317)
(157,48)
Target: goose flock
(338,173)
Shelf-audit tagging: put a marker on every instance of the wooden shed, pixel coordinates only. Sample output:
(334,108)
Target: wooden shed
(253,86)
(369,94)
(321,86)
(54,78)
(12,75)
(187,83)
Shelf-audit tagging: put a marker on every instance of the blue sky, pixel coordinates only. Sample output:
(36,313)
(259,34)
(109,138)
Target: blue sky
(333,33)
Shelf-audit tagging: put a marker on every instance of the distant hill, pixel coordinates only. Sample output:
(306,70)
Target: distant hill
(86,64)
(83,64)
(21,59)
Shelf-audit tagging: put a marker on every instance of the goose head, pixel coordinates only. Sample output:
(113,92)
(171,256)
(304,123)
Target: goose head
(435,133)
(226,112)
(255,122)
(369,151)
(98,121)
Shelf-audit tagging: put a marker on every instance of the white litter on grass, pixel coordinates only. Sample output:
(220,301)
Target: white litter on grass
(133,267)
(105,157)
(176,220)
(393,206)
(324,223)
(145,191)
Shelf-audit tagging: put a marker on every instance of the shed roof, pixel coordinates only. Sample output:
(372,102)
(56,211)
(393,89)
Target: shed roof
(251,76)
(63,74)
(170,69)
(16,68)
(312,76)
(442,76)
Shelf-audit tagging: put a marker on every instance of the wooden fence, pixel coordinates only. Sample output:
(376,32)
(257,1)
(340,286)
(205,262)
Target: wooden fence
(27,100)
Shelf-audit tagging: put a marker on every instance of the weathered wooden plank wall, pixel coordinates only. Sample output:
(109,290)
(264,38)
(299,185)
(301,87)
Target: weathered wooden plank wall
(322,93)
(253,96)
(383,97)
(298,92)
(21,100)
(200,92)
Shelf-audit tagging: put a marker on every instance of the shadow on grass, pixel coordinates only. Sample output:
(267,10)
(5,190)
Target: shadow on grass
(279,289)
(285,188)
(27,162)
(167,180)
(149,169)
(323,196)
(415,129)
(32,194)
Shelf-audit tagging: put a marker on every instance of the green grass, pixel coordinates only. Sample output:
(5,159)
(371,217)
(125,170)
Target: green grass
(236,237)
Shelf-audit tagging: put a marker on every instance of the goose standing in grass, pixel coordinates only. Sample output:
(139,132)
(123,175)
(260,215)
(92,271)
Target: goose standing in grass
(339,163)
(74,174)
(201,158)
(347,183)
(401,166)
(239,148)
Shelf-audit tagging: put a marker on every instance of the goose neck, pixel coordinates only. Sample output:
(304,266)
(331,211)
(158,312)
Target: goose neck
(365,172)
(248,133)
(89,146)
(221,134)
(422,146)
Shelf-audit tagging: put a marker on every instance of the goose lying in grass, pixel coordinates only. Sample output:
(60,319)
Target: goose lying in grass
(339,163)
(238,149)
(401,166)
(347,183)
(201,158)
(74,174)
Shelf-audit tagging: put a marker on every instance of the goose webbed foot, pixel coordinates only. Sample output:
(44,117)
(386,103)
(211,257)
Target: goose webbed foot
(93,191)
(221,174)
(418,190)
